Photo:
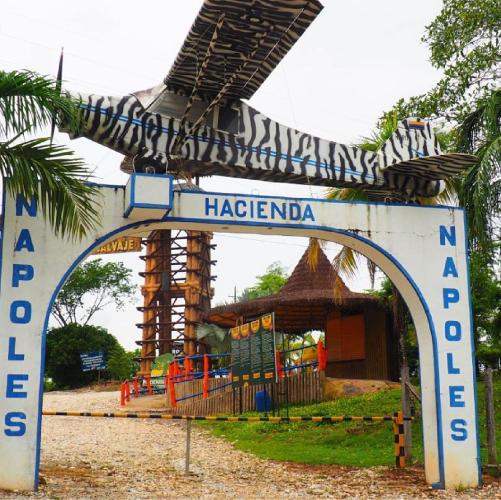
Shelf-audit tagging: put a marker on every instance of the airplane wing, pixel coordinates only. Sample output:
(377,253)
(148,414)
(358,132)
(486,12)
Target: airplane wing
(235,45)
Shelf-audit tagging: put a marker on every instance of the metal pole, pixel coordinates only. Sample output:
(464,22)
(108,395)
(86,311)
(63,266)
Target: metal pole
(188,445)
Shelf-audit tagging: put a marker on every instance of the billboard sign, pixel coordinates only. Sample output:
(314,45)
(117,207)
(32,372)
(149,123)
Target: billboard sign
(93,361)
(253,352)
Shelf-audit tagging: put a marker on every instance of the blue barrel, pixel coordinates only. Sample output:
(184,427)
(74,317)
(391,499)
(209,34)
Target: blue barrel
(263,401)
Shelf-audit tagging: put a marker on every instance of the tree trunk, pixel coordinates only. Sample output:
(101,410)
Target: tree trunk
(489,411)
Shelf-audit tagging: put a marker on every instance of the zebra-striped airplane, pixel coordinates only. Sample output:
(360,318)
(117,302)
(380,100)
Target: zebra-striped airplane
(196,122)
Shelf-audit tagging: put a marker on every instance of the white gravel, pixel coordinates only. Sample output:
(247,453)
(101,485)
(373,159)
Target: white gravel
(96,458)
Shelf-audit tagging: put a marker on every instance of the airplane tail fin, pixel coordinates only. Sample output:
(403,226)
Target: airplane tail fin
(413,151)
(414,138)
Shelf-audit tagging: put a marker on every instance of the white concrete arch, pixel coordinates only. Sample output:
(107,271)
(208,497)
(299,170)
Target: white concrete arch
(422,249)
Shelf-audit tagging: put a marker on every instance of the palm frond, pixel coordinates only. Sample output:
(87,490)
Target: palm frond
(345,263)
(385,129)
(346,194)
(313,248)
(55,178)
(217,339)
(372,268)
(481,192)
(29,101)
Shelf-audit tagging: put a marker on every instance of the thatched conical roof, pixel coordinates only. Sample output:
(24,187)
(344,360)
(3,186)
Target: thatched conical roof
(303,304)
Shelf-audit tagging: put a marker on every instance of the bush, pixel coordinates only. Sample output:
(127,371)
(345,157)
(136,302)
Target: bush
(64,346)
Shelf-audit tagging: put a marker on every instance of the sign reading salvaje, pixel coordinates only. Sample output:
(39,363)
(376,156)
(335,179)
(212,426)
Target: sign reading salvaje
(122,245)
(253,352)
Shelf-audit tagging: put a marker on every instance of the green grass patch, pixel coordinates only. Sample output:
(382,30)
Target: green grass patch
(359,444)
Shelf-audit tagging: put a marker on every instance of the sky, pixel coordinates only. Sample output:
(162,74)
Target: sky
(355,61)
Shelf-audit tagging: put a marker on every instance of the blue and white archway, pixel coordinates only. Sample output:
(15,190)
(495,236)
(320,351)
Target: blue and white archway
(422,249)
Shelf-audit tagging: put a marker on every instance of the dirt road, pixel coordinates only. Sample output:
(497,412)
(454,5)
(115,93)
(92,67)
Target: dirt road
(95,458)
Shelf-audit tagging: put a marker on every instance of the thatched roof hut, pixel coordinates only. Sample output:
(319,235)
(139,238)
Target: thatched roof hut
(303,304)
(359,339)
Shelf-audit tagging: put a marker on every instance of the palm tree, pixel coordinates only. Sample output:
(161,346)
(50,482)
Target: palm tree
(480,134)
(347,262)
(36,167)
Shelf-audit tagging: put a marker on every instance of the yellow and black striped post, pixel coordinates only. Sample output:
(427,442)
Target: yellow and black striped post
(398,426)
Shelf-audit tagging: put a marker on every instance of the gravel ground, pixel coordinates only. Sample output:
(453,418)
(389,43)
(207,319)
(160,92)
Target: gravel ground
(94,458)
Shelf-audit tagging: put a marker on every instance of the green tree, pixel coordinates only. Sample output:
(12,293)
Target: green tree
(122,364)
(465,45)
(269,283)
(64,346)
(35,167)
(486,307)
(109,283)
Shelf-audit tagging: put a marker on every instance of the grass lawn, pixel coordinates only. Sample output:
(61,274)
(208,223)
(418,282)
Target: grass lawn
(360,444)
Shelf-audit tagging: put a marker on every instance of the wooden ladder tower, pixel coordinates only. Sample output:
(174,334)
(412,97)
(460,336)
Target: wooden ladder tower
(177,292)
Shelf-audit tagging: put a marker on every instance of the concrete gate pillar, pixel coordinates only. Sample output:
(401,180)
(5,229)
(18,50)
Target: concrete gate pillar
(421,248)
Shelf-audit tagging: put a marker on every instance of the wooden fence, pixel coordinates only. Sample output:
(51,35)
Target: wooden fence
(302,388)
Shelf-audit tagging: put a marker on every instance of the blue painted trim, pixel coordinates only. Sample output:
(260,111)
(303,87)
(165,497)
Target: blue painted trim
(290,226)
(472,334)
(154,206)
(316,200)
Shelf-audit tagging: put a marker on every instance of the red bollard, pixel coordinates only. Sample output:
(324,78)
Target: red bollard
(322,356)
(187,369)
(122,395)
(172,370)
(136,390)
(206,377)
(148,385)
(127,390)
(280,373)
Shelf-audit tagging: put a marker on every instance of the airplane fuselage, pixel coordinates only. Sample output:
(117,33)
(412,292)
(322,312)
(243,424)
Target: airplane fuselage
(245,144)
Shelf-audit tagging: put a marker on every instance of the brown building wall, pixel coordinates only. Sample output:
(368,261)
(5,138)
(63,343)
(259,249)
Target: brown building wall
(345,361)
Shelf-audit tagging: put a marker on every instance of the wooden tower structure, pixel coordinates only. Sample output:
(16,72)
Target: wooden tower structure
(177,292)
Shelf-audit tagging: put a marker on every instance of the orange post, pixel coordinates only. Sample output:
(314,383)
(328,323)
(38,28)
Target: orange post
(172,371)
(122,395)
(136,390)
(187,368)
(148,385)
(206,377)
(320,356)
(127,390)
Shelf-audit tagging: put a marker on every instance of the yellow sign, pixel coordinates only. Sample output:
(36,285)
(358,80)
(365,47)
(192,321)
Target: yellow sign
(122,245)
